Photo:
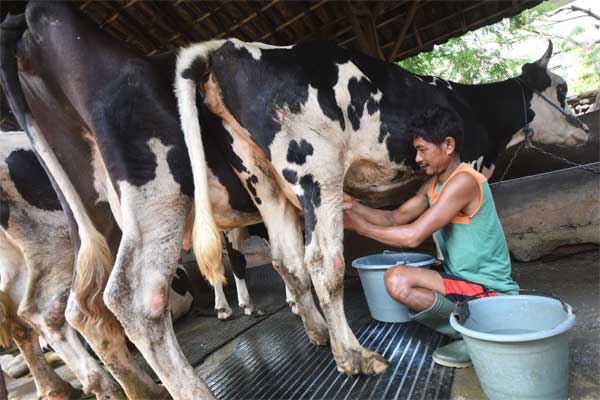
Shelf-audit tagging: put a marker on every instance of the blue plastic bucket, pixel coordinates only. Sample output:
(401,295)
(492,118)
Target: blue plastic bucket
(519,345)
(371,270)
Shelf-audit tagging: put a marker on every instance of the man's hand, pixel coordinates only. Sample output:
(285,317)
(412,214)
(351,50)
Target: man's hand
(348,202)
(353,221)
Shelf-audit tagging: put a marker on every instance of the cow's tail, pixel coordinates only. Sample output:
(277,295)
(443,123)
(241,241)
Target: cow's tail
(94,259)
(7,316)
(192,66)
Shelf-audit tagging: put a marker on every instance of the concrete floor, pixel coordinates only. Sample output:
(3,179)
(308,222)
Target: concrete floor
(576,279)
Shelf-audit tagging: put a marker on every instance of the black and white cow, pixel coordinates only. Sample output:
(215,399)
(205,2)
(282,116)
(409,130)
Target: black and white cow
(36,269)
(315,120)
(112,144)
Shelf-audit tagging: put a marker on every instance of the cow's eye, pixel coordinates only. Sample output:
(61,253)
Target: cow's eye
(562,89)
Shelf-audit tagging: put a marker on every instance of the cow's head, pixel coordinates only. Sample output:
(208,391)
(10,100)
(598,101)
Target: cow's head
(548,102)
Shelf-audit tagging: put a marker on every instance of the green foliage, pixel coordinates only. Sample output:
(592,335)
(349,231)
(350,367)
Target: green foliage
(485,55)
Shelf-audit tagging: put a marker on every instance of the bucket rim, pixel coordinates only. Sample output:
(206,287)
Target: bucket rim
(429,260)
(562,327)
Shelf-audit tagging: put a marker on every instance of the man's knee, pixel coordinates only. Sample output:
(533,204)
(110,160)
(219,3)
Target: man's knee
(398,283)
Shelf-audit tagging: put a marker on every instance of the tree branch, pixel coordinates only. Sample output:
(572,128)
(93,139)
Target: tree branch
(575,9)
(588,12)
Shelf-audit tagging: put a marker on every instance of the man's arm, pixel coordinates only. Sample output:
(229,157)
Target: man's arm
(456,196)
(404,214)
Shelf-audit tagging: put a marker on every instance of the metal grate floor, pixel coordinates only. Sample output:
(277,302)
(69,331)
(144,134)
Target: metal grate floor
(274,360)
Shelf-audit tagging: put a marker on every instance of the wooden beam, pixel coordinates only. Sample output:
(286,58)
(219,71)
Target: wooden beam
(313,7)
(407,23)
(379,25)
(417,37)
(447,17)
(451,34)
(359,32)
(248,19)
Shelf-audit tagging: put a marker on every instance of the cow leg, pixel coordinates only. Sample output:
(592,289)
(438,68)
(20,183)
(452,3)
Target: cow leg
(43,307)
(287,253)
(285,234)
(13,276)
(320,192)
(234,241)
(222,308)
(287,248)
(290,300)
(138,288)
(107,339)
(48,383)
(323,218)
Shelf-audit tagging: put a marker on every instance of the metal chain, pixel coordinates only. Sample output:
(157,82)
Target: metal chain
(528,143)
(573,164)
(521,145)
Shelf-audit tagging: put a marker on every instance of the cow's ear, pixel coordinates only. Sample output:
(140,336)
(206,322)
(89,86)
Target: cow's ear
(535,76)
(543,62)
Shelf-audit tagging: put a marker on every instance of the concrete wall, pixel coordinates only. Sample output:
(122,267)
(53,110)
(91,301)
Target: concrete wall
(542,212)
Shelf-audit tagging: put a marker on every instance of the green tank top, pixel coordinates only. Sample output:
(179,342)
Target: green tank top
(474,246)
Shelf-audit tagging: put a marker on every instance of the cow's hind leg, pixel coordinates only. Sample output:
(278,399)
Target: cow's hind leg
(48,383)
(43,307)
(320,193)
(287,252)
(138,288)
(107,338)
(325,261)
(13,275)
(285,235)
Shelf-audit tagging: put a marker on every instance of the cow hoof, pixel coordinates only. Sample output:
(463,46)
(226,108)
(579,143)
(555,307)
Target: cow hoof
(250,310)
(76,393)
(318,338)
(294,307)
(224,313)
(362,361)
(63,394)
(118,394)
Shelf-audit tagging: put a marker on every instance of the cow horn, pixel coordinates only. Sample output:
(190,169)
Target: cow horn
(543,62)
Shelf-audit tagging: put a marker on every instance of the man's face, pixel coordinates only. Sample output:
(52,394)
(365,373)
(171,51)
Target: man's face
(431,158)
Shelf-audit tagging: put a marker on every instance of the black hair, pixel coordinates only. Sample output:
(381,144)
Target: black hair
(435,124)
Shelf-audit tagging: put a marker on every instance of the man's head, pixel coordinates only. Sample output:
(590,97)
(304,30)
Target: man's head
(437,137)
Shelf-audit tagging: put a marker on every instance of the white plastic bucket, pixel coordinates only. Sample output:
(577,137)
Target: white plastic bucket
(371,270)
(519,345)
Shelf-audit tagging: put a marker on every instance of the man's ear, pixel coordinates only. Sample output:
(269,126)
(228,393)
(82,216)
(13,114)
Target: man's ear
(450,145)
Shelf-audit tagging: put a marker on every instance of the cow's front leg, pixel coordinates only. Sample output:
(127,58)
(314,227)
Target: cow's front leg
(138,288)
(224,312)
(234,241)
(323,221)
(289,299)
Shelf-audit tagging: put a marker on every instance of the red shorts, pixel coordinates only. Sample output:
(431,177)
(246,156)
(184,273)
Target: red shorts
(458,289)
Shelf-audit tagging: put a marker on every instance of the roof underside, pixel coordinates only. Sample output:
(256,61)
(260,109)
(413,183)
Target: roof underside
(154,27)
(390,30)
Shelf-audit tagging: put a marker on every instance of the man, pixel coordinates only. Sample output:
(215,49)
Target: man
(457,207)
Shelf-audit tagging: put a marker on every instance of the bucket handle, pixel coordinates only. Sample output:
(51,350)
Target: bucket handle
(437,263)
(462,313)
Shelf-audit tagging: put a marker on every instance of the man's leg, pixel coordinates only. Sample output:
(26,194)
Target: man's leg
(413,287)
(423,292)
